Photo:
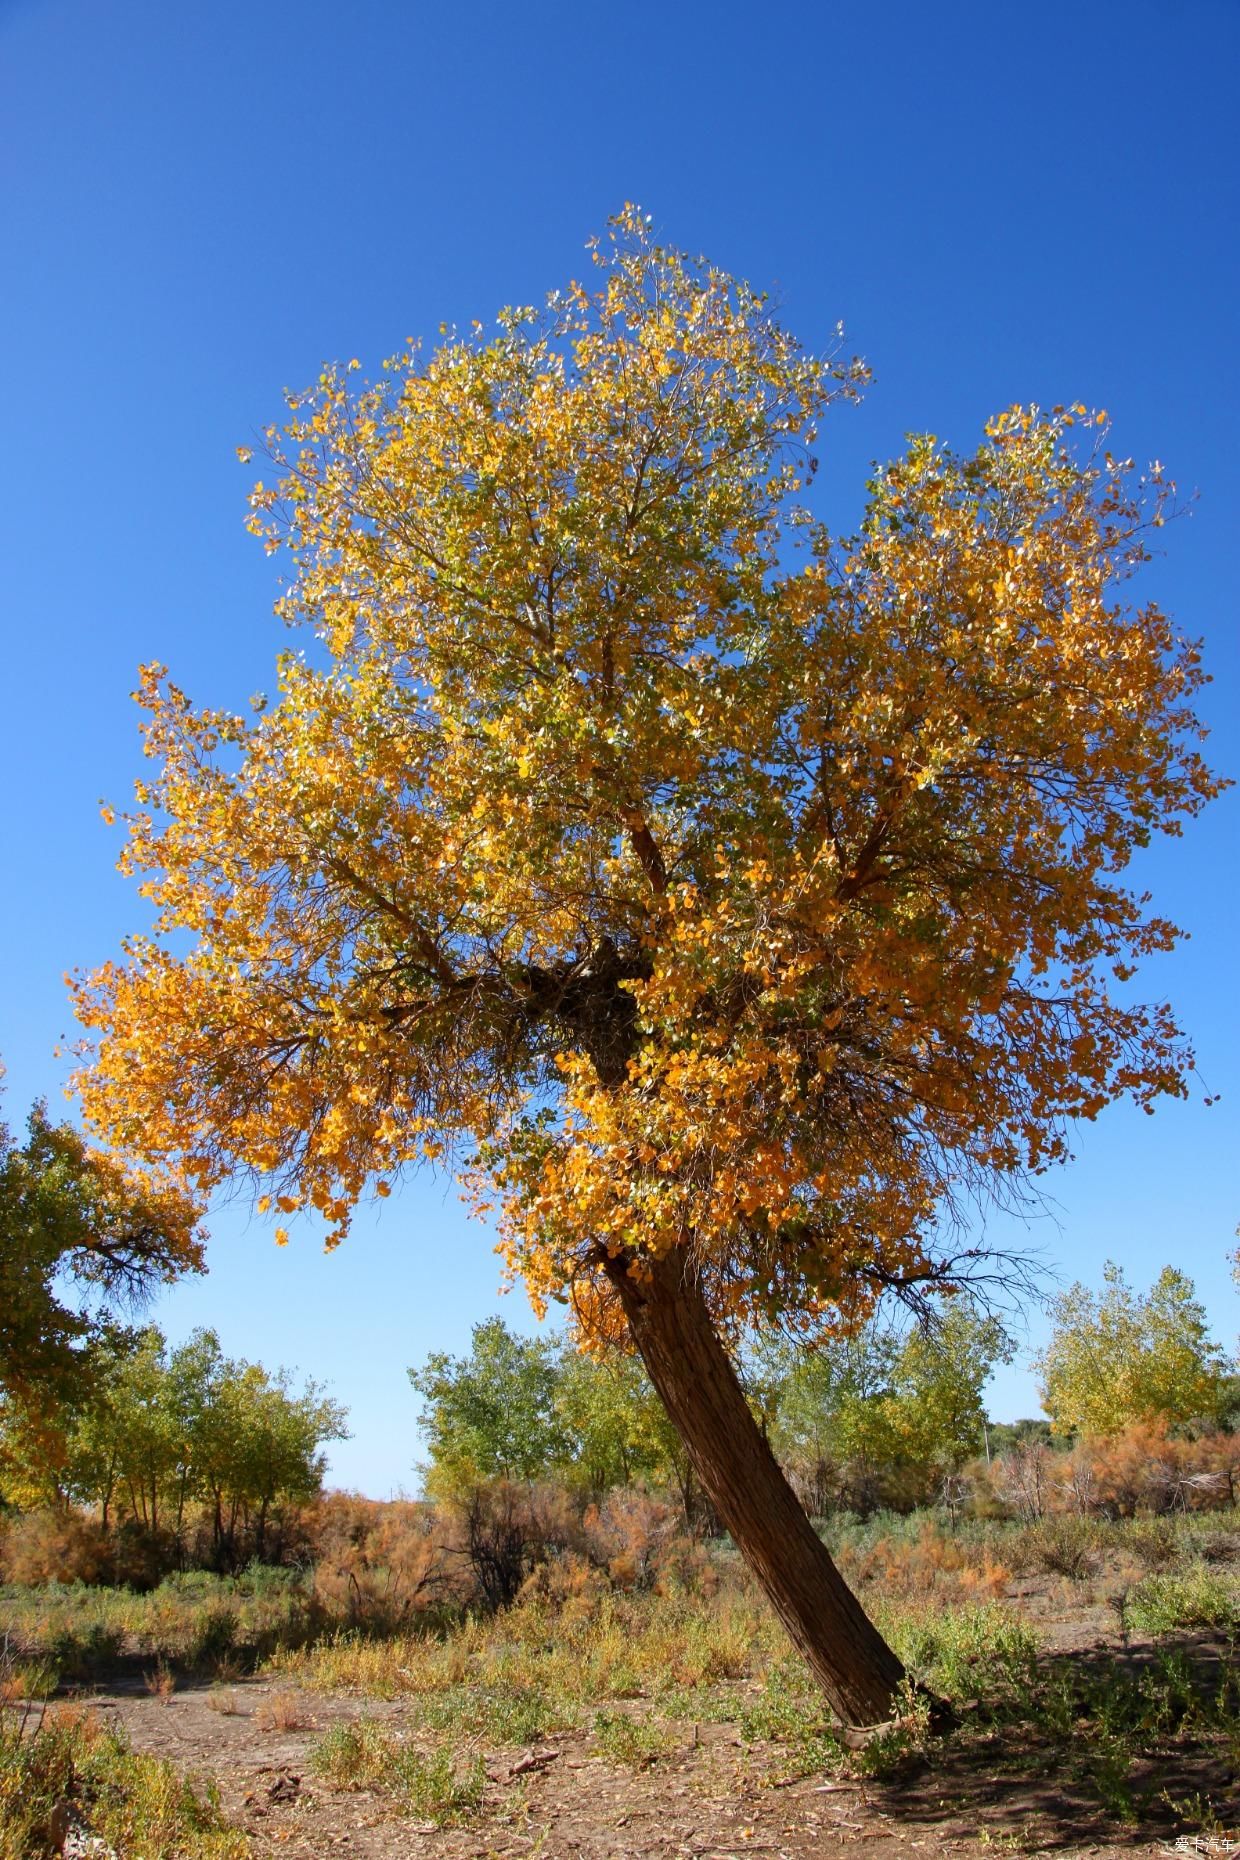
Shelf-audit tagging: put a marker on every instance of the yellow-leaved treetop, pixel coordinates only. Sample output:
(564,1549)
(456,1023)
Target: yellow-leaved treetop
(727,900)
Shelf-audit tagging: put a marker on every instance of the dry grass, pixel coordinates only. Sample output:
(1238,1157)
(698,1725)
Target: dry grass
(160,1682)
(283,1711)
(556,1659)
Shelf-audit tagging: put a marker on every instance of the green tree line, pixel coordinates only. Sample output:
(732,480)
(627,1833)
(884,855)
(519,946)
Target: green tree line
(159,1439)
(876,1417)
(881,1416)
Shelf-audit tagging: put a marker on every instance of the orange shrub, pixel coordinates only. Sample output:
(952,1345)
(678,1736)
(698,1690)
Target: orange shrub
(627,1535)
(379,1564)
(55,1546)
(564,1581)
(932,1563)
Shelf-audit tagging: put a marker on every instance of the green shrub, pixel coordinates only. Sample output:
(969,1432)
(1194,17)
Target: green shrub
(1061,1547)
(364,1754)
(137,1805)
(983,1650)
(352,1756)
(85,1653)
(782,1707)
(635,1742)
(213,1634)
(1198,1597)
(441,1787)
(509,1715)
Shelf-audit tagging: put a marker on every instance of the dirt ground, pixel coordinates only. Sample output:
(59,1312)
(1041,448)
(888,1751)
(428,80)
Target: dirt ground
(710,1797)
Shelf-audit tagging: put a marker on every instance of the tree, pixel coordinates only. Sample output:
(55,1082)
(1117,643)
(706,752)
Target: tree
(76,1219)
(491,1415)
(877,1416)
(614,1427)
(729,900)
(1116,1358)
(247,1442)
(150,1432)
(526,1408)
(939,1416)
(829,1415)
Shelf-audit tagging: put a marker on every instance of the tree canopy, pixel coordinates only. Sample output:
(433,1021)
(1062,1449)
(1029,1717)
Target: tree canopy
(876,1416)
(149,1431)
(1115,1357)
(491,1415)
(525,1408)
(708,881)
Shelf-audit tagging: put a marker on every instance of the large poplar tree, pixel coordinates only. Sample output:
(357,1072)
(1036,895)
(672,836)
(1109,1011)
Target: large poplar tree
(729,900)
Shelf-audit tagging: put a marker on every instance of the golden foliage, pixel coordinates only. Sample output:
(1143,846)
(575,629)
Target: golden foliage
(687,875)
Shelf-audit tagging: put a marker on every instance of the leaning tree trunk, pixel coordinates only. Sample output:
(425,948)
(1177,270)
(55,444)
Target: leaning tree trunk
(690,1368)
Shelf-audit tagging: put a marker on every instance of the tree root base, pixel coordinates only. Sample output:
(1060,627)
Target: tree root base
(941,1717)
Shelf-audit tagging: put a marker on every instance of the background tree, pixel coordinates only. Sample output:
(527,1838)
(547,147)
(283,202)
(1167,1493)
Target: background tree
(523,1408)
(938,1411)
(1115,1358)
(733,895)
(248,1441)
(492,1414)
(77,1224)
(877,1417)
(615,1429)
(149,1435)
(828,1416)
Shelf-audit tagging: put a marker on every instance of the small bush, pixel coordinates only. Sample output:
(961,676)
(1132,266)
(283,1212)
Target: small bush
(213,1634)
(380,1567)
(441,1787)
(499,1531)
(1152,1542)
(1060,1546)
(626,1535)
(137,1805)
(85,1653)
(563,1581)
(1171,1604)
(365,1754)
(985,1651)
(352,1756)
(634,1742)
(283,1711)
(161,1681)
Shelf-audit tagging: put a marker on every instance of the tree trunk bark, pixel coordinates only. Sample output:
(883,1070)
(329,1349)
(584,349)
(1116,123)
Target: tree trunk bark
(693,1375)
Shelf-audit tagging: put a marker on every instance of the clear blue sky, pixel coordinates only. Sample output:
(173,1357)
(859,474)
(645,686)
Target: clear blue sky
(202,203)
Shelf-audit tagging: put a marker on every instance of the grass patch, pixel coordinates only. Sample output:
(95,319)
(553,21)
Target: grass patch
(982,1650)
(515,1716)
(440,1786)
(189,1622)
(554,1663)
(633,1742)
(788,1710)
(137,1805)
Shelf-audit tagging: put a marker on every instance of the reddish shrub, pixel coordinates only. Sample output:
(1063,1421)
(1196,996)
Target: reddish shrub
(628,1534)
(55,1546)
